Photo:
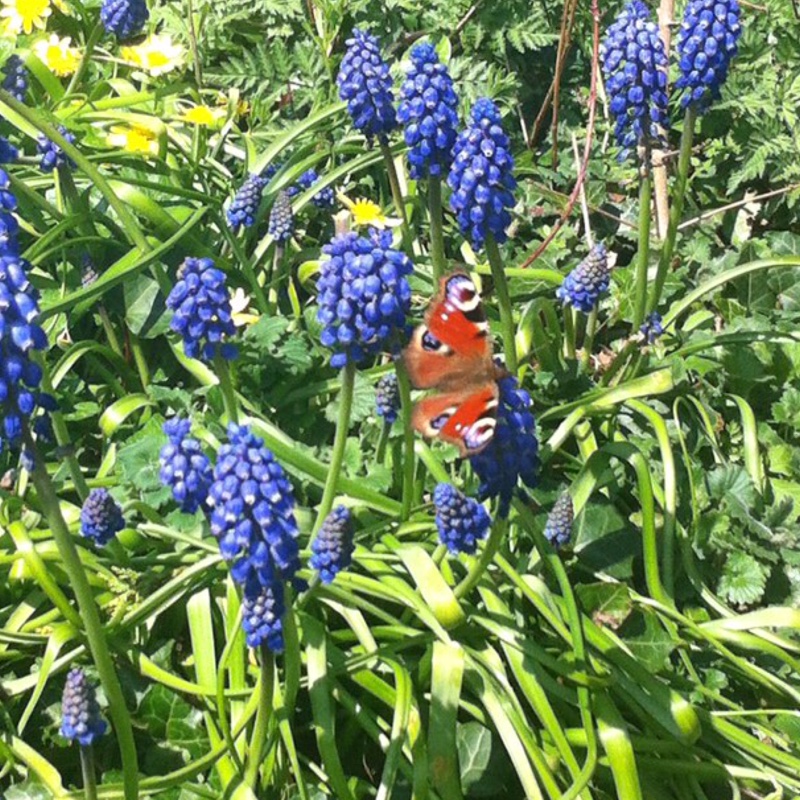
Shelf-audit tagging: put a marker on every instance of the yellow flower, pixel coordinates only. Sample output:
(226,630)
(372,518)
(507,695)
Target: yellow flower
(156,55)
(366,212)
(25,15)
(135,139)
(203,115)
(239,313)
(58,55)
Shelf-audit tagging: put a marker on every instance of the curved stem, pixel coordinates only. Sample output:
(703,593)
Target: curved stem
(86,59)
(397,196)
(504,303)
(91,622)
(679,195)
(643,255)
(339,442)
(406,409)
(437,228)
(266,687)
(496,535)
(226,385)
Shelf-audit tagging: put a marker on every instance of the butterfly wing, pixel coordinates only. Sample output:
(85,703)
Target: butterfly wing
(453,345)
(465,418)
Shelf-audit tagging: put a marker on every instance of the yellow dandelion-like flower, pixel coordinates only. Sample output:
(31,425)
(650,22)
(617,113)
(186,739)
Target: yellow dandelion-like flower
(156,55)
(134,139)
(367,212)
(58,55)
(22,16)
(239,305)
(203,115)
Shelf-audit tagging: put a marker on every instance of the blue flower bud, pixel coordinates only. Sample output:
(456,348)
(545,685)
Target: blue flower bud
(387,397)
(185,468)
(584,285)
(332,549)
(461,521)
(244,206)
(558,529)
(15,80)
(281,219)
(124,18)
(262,617)
(652,328)
(80,714)
(101,517)
(52,155)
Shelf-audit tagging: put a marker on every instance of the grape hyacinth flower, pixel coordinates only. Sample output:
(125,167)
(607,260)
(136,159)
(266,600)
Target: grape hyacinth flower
(652,328)
(15,80)
(244,206)
(429,114)
(52,155)
(20,334)
(584,285)
(635,69)
(366,86)
(482,176)
(332,548)
(707,43)
(80,714)
(8,153)
(387,398)
(324,198)
(461,521)
(101,517)
(262,617)
(252,518)
(202,306)
(513,453)
(185,468)
(281,219)
(124,18)
(558,529)
(363,295)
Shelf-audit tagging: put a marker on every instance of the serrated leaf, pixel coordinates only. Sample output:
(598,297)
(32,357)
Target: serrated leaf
(732,482)
(266,333)
(363,402)
(743,579)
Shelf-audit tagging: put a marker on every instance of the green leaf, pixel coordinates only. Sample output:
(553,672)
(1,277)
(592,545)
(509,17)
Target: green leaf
(29,790)
(484,769)
(138,461)
(648,640)
(607,603)
(173,722)
(743,579)
(146,309)
(363,402)
(732,482)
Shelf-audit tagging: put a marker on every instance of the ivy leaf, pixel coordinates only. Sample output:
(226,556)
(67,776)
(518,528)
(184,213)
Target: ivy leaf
(138,460)
(743,579)
(649,642)
(608,603)
(171,720)
(483,768)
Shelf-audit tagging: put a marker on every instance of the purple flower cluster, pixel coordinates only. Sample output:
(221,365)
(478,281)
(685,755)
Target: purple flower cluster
(461,521)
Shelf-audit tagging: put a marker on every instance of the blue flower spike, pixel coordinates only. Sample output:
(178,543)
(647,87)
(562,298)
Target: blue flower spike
(185,468)
(558,530)
(428,113)
(366,86)
(101,517)
(364,296)
(513,453)
(707,43)
(584,285)
(202,314)
(324,199)
(652,328)
(53,157)
(252,517)
(15,78)
(482,176)
(387,398)
(462,521)
(124,18)
(635,69)
(243,209)
(332,548)
(80,714)
(281,219)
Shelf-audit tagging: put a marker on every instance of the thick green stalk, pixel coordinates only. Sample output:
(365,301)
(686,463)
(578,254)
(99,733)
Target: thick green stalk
(437,228)
(226,385)
(406,410)
(88,772)
(569,332)
(679,195)
(643,256)
(266,687)
(588,339)
(504,303)
(397,196)
(339,442)
(91,621)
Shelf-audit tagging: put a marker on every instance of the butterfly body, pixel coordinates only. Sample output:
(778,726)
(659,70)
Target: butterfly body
(451,352)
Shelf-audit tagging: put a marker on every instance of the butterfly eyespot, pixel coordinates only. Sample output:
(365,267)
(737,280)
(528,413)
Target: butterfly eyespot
(480,434)
(460,291)
(430,342)
(439,422)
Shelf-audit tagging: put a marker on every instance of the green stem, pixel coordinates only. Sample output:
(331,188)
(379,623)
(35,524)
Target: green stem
(139,359)
(86,59)
(88,772)
(504,303)
(380,451)
(498,532)
(226,385)
(397,196)
(569,332)
(588,339)
(266,687)
(406,411)
(676,212)
(643,256)
(111,334)
(437,228)
(339,442)
(275,280)
(91,621)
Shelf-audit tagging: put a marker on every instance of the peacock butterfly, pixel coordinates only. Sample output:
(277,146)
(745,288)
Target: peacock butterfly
(451,352)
